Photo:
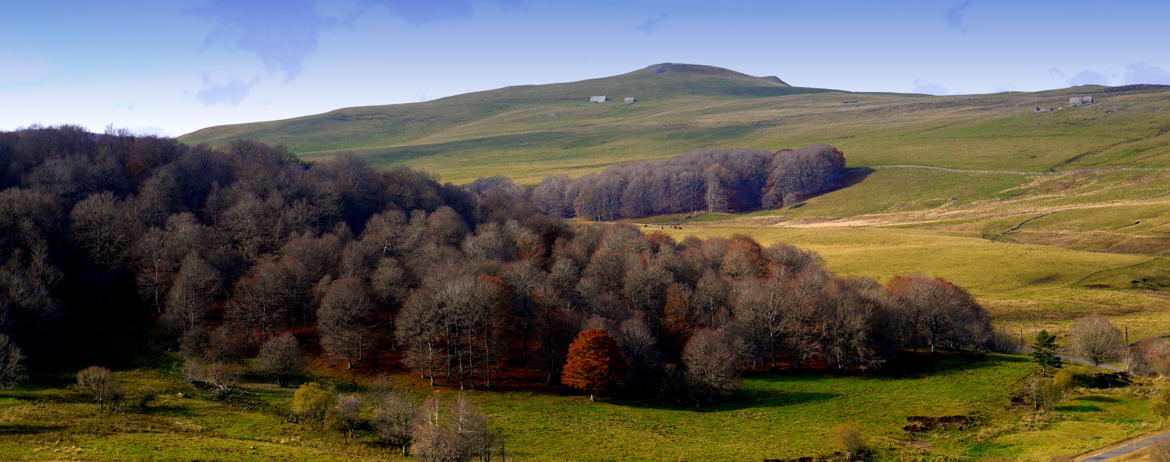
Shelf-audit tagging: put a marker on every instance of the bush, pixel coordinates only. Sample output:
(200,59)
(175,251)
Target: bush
(847,437)
(1005,342)
(1160,405)
(144,398)
(220,378)
(1064,382)
(1043,393)
(311,401)
(1151,356)
(100,382)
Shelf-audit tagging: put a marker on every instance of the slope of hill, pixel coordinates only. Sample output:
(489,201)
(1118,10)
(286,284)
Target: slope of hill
(373,126)
(527,132)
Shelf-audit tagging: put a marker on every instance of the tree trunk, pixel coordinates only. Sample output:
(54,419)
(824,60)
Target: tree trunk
(591,398)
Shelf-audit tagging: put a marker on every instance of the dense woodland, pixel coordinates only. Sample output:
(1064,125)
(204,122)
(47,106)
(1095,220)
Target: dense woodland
(113,244)
(716,180)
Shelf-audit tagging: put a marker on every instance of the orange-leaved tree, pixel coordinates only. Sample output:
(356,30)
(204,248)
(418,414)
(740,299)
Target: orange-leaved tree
(594,363)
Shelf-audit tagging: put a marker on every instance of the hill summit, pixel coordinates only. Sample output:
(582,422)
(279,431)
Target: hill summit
(711,71)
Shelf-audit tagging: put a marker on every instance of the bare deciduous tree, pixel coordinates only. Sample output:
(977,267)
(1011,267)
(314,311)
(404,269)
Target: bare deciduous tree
(281,358)
(101,384)
(345,414)
(1096,339)
(393,417)
(11,363)
(345,321)
(712,359)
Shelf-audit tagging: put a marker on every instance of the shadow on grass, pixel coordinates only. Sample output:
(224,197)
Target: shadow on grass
(1078,408)
(1097,399)
(170,411)
(25,429)
(49,395)
(910,364)
(854,175)
(744,399)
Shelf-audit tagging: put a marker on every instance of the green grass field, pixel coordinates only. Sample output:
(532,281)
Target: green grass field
(773,416)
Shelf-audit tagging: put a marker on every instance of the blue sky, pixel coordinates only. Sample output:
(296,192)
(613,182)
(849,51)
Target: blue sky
(176,66)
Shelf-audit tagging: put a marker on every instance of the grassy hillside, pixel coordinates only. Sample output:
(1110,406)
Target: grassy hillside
(527,132)
(382,126)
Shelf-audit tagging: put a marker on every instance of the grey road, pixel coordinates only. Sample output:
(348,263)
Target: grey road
(1127,448)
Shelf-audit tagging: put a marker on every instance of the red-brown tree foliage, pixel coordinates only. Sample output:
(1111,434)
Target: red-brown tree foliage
(594,364)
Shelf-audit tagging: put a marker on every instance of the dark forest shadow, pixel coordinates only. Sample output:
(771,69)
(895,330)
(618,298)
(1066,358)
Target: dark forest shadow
(743,399)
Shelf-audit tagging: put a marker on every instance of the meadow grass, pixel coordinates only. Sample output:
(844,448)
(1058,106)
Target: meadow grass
(48,423)
(774,415)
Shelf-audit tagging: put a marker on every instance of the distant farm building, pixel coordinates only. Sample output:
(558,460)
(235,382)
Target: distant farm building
(1080,101)
(598,99)
(630,100)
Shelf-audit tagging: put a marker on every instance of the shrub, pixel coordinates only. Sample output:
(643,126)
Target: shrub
(456,432)
(1151,356)
(1064,382)
(144,398)
(311,401)
(220,378)
(1005,342)
(1160,405)
(847,437)
(1044,393)
(100,382)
